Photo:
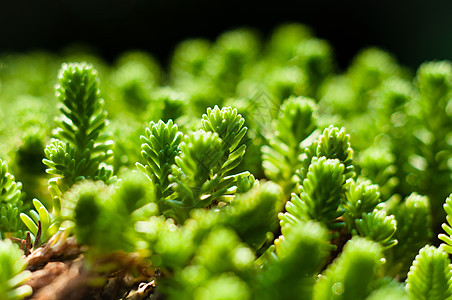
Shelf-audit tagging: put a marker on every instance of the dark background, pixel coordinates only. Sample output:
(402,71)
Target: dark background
(414,31)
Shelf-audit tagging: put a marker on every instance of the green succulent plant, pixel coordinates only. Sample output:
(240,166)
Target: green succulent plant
(430,275)
(13,274)
(264,172)
(11,203)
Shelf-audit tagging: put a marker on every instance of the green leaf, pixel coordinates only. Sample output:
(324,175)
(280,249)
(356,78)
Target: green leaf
(430,275)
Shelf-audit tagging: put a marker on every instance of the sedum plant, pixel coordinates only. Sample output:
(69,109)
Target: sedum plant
(287,262)
(194,171)
(413,231)
(295,124)
(13,274)
(434,81)
(360,198)
(79,147)
(11,203)
(254,214)
(352,275)
(446,226)
(435,285)
(378,227)
(98,215)
(160,147)
(333,143)
(261,173)
(318,201)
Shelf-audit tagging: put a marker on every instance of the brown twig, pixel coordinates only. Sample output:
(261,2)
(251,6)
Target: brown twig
(38,235)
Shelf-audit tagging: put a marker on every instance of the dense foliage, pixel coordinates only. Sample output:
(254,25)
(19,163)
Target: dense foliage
(251,169)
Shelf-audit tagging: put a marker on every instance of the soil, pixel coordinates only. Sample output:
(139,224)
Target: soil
(60,271)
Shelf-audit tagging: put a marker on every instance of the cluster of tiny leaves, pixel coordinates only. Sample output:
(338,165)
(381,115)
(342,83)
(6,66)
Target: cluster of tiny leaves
(48,222)
(159,147)
(379,227)
(413,231)
(430,276)
(360,197)
(81,145)
(12,272)
(320,194)
(295,123)
(192,171)
(10,201)
(253,214)
(351,276)
(447,227)
(229,126)
(283,268)
(334,143)
(434,83)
